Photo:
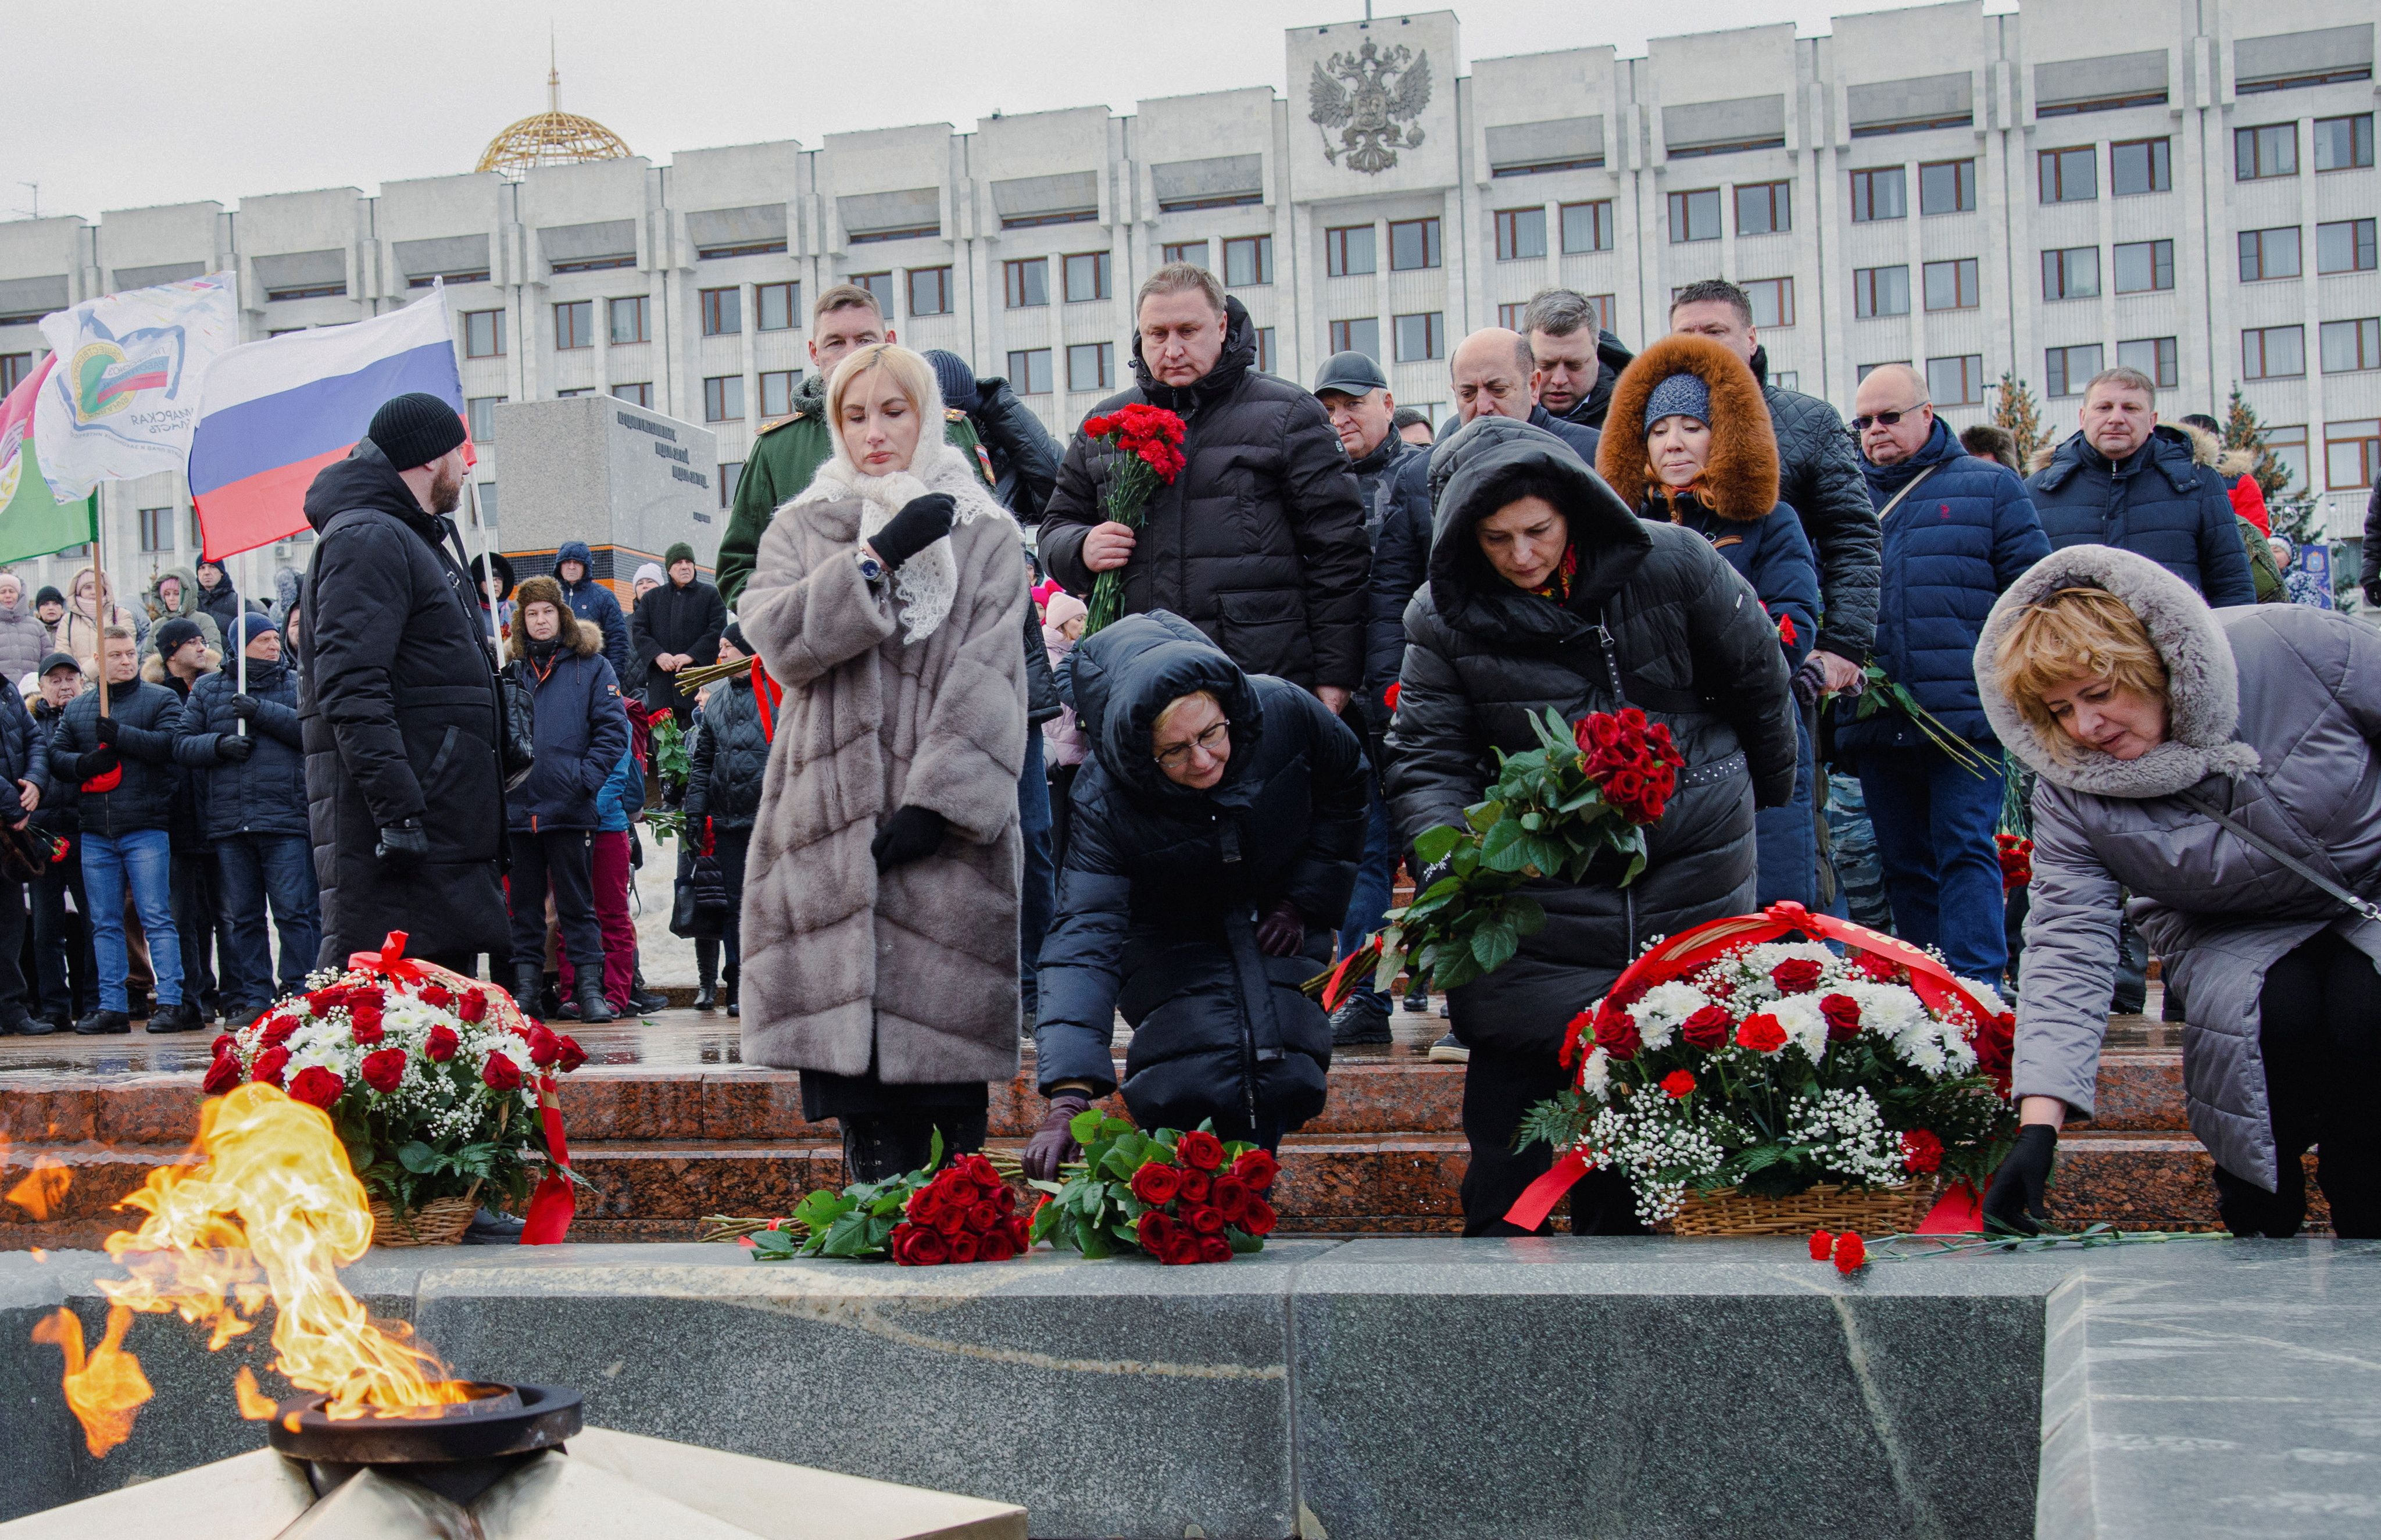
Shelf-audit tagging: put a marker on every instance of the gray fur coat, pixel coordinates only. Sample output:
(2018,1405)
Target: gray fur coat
(2273,713)
(917,968)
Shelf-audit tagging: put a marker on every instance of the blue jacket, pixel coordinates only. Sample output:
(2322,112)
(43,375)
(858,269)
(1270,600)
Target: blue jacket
(24,755)
(593,603)
(623,794)
(1953,544)
(2157,502)
(1770,552)
(583,730)
(267,793)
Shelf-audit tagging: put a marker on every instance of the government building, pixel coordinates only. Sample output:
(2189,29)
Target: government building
(2185,186)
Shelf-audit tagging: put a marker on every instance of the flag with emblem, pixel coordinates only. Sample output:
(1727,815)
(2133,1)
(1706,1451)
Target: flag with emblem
(34,522)
(123,393)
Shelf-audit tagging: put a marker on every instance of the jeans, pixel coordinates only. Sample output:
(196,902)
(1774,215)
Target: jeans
(1040,895)
(255,868)
(1368,901)
(1786,840)
(143,862)
(1935,826)
(2321,1036)
(608,871)
(557,858)
(63,971)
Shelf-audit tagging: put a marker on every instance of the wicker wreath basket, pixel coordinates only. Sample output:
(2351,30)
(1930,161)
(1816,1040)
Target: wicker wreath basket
(1868,1210)
(439,1222)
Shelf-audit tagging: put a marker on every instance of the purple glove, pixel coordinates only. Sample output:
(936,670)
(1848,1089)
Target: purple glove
(1282,933)
(1053,1144)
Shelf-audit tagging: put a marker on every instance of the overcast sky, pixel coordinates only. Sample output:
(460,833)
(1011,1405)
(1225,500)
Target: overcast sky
(113,104)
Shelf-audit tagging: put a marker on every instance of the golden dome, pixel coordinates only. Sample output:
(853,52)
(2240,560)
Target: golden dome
(550,137)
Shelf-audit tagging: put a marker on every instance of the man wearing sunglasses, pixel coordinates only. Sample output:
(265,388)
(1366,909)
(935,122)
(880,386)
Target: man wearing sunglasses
(1958,530)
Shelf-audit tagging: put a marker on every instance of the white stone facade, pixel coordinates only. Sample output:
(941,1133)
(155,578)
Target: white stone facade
(1577,167)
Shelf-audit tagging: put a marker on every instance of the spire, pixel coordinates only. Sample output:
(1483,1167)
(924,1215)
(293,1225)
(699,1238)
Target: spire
(553,73)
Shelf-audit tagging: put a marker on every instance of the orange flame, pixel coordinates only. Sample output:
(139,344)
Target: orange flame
(254,1404)
(39,1193)
(104,1391)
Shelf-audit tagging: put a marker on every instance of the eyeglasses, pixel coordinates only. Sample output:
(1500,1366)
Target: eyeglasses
(1207,742)
(1859,424)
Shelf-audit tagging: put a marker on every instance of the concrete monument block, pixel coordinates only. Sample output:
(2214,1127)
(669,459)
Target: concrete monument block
(625,479)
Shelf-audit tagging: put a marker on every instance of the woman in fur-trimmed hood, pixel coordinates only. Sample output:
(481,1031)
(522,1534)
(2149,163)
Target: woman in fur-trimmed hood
(880,914)
(2162,730)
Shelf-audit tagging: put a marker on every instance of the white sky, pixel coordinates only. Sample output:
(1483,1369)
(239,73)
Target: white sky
(114,104)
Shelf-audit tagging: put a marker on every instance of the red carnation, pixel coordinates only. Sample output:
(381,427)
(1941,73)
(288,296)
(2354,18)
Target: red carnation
(1256,1169)
(473,1006)
(317,1087)
(1258,1218)
(1194,1187)
(963,1246)
(573,1056)
(366,1028)
(1677,1085)
(499,1072)
(1761,1033)
(1204,1219)
(1843,1017)
(1823,1244)
(1922,1152)
(1199,1150)
(1156,1184)
(223,1074)
(1796,975)
(443,1043)
(1231,1198)
(1851,1254)
(383,1070)
(1707,1028)
(1214,1248)
(270,1065)
(543,1047)
(1616,1034)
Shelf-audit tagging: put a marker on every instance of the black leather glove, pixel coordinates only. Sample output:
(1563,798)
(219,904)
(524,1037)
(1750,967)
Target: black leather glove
(233,748)
(919,524)
(97,762)
(1282,933)
(2014,1199)
(403,844)
(244,707)
(1053,1144)
(106,730)
(911,834)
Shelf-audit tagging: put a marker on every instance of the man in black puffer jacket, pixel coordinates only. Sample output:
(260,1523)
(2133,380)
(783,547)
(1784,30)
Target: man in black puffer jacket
(24,775)
(1216,827)
(675,626)
(1260,540)
(1024,456)
(1578,363)
(1652,608)
(65,976)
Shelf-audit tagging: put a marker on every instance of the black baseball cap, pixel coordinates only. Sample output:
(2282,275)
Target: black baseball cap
(1351,373)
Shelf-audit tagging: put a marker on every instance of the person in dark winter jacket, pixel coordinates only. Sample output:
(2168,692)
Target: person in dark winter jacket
(1957,531)
(2370,580)
(1578,362)
(24,773)
(2126,482)
(675,626)
(1689,443)
(1548,591)
(1024,456)
(124,763)
(217,597)
(723,789)
(397,698)
(583,730)
(1819,478)
(248,750)
(50,608)
(66,976)
(181,659)
(574,568)
(1260,540)
(1216,827)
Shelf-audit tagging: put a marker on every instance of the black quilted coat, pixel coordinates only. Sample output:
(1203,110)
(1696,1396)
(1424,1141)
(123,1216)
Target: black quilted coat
(1819,477)
(729,756)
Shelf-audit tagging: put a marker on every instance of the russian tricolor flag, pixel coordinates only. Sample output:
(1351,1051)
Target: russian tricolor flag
(273,413)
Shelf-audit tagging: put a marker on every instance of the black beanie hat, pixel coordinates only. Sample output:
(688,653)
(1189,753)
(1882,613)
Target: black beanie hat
(677,553)
(415,429)
(176,634)
(734,635)
(48,595)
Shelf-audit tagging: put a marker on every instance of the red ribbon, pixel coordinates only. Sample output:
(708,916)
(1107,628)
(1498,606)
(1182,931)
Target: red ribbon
(766,693)
(1337,987)
(390,961)
(556,1201)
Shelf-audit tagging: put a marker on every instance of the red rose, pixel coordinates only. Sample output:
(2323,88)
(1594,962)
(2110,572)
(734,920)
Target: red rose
(321,1002)
(1006,1200)
(1258,1218)
(1194,1187)
(366,1029)
(1199,1150)
(1796,975)
(443,1043)
(927,1247)
(499,1072)
(473,1006)
(1851,1254)
(1602,731)
(998,1246)
(1231,1198)
(1156,1184)
(223,1074)
(1823,1244)
(543,1047)
(317,1087)
(1020,1230)
(1761,1033)
(370,995)
(1677,1085)
(1214,1248)
(1256,1169)
(1707,1028)
(923,1204)
(270,1065)
(983,1218)
(1922,1152)
(950,1218)
(1878,969)
(438,996)
(1156,1232)
(963,1247)
(573,1056)
(1616,1034)
(1843,1017)
(1204,1219)
(1183,1250)
(279,1029)
(383,1070)
(222,1044)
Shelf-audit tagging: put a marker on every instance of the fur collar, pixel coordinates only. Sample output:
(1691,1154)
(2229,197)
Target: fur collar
(2202,682)
(1741,482)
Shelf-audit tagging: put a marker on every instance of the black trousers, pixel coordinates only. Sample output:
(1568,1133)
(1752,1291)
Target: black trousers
(15,1000)
(197,900)
(66,975)
(2321,1010)
(731,846)
(1500,1086)
(560,861)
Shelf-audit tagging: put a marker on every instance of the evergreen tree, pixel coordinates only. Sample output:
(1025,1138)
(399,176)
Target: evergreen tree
(2013,410)
(2243,430)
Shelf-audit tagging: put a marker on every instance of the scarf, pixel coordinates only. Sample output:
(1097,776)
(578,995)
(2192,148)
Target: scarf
(1557,586)
(927,584)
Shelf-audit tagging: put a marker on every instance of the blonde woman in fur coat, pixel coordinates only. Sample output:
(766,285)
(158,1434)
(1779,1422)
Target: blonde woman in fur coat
(880,914)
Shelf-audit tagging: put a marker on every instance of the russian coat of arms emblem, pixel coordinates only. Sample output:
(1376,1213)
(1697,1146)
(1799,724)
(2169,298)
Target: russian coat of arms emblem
(1373,100)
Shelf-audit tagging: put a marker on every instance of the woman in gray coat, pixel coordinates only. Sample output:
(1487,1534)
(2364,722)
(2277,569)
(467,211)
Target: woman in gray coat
(2219,764)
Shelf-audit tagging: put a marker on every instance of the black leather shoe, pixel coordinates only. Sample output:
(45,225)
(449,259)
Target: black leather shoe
(489,1227)
(41,1026)
(181,1016)
(103,1023)
(1360,1019)
(644,1002)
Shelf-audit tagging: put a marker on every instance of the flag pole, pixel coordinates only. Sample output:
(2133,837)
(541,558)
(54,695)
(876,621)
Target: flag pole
(480,549)
(100,600)
(239,634)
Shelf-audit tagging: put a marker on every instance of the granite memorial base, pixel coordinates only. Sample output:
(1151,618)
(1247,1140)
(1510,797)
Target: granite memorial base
(1398,1388)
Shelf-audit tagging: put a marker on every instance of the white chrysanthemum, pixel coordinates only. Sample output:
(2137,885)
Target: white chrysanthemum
(1887,1009)
(1664,1006)
(1985,995)
(1805,1024)
(1596,1078)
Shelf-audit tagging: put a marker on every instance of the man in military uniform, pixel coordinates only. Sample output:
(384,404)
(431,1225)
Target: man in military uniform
(789,451)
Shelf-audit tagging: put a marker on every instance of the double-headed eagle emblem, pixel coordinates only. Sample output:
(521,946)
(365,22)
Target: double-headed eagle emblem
(1376,111)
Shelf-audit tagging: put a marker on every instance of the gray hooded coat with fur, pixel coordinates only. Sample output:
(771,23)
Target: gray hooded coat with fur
(2273,711)
(917,967)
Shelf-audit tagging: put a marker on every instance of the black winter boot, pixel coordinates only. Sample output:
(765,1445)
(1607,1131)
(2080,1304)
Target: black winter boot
(593,1009)
(528,983)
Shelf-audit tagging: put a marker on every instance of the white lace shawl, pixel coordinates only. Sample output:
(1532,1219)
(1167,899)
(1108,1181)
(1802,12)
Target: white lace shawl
(927,584)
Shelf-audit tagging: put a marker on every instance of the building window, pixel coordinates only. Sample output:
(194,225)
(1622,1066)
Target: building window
(2273,352)
(1695,215)
(1028,371)
(1247,261)
(1193,252)
(731,476)
(1587,227)
(2154,356)
(1880,291)
(1764,208)
(1520,234)
(2349,345)
(1349,250)
(2065,371)
(929,291)
(1946,187)
(2289,446)
(1866,370)
(1952,286)
(1420,338)
(2343,143)
(1091,366)
(777,307)
(14,367)
(2143,265)
(576,391)
(2344,246)
(2068,175)
(777,392)
(2352,454)
(480,417)
(1879,194)
(1086,276)
(2270,151)
(878,285)
(1026,282)
(156,530)
(1511,316)
(574,324)
(1264,350)
(722,312)
(1958,382)
(722,399)
(2071,273)
(638,393)
(2139,165)
(2269,254)
(1413,244)
(1359,335)
(627,316)
(1773,304)
(483,334)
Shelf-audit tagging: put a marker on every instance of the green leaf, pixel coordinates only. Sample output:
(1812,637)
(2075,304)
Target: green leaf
(1493,946)
(419,1158)
(1244,1243)
(933,1145)
(1500,847)
(1527,916)
(1436,844)
(1085,1126)
(1094,1245)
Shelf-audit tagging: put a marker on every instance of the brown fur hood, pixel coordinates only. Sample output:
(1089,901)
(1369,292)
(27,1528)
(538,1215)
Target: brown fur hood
(576,634)
(1741,480)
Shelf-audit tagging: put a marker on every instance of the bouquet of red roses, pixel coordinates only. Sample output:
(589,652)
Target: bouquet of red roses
(1145,452)
(1179,1197)
(963,1212)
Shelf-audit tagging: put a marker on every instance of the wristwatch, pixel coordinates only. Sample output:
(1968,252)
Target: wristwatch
(871,569)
